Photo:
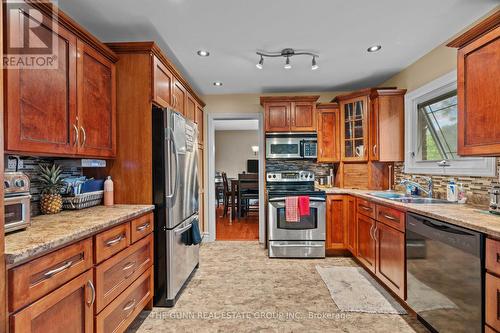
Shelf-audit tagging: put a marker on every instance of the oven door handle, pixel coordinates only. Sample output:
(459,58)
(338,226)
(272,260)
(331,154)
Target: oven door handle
(310,199)
(296,245)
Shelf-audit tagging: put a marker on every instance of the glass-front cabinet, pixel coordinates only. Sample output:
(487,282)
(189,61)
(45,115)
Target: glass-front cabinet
(354,143)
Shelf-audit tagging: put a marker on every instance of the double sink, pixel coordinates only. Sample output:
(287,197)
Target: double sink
(406,199)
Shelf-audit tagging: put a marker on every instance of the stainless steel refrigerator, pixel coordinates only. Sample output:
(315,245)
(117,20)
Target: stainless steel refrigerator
(175,194)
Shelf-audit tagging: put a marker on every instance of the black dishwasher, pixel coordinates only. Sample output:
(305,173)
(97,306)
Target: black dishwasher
(445,275)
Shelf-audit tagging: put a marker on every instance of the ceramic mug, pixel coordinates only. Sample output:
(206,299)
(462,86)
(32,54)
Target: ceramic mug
(360,151)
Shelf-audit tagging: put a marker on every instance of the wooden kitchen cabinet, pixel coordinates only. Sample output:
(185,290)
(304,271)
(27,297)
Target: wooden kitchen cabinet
(328,132)
(162,84)
(354,132)
(335,222)
(63,111)
(190,107)
(96,103)
(69,308)
(289,113)
(478,70)
(492,292)
(350,218)
(390,258)
(179,97)
(365,242)
(199,119)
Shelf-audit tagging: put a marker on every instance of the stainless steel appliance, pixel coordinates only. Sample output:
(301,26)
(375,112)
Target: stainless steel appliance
(175,194)
(291,145)
(302,239)
(445,269)
(17,201)
(495,199)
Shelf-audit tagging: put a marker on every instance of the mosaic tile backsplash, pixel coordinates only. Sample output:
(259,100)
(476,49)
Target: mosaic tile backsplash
(29,166)
(319,169)
(476,188)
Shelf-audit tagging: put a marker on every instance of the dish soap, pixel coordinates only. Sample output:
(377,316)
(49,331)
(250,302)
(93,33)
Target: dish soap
(108,192)
(451,191)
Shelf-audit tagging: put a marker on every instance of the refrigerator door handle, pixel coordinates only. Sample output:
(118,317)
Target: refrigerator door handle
(186,228)
(176,159)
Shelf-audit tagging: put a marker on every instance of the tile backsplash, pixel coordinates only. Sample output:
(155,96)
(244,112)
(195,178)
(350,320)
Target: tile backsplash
(319,169)
(29,166)
(476,188)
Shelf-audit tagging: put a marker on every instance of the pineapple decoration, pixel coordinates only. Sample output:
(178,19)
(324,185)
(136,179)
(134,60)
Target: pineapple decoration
(51,200)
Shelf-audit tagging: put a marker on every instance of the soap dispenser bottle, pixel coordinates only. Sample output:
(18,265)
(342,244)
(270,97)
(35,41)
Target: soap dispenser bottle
(108,192)
(451,191)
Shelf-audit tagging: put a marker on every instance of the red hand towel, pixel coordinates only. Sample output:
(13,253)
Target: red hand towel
(292,209)
(304,206)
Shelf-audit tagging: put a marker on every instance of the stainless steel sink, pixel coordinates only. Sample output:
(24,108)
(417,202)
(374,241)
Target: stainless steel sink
(402,198)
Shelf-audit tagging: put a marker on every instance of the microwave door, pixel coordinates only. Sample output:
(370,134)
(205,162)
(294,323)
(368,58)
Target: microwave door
(283,148)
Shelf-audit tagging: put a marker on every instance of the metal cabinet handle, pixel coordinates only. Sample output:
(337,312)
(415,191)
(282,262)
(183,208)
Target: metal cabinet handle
(366,208)
(371,232)
(374,149)
(375,233)
(390,217)
(142,227)
(92,289)
(77,135)
(58,270)
(129,305)
(115,240)
(84,135)
(128,265)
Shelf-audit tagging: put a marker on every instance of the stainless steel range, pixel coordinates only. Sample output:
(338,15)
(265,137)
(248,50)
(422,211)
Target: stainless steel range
(306,237)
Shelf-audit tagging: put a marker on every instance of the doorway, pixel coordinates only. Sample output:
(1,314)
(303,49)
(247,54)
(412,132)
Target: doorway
(235,177)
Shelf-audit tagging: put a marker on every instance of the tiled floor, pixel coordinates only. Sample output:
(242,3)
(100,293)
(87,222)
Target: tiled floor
(244,228)
(239,289)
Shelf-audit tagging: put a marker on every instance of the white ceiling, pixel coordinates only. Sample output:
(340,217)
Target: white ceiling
(232,30)
(236,125)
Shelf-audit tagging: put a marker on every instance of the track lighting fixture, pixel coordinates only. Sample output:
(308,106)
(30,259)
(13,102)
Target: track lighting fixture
(286,53)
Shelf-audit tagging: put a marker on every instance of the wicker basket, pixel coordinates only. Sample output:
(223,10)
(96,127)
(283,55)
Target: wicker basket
(82,201)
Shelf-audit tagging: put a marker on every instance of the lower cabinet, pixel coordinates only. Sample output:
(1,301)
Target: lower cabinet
(366,242)
(69,308)
(352,230)
(390,258)
(335,222)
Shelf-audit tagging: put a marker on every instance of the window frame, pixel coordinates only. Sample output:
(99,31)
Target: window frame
(464,166)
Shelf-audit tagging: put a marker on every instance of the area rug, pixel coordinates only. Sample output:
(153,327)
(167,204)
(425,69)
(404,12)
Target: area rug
(354,290)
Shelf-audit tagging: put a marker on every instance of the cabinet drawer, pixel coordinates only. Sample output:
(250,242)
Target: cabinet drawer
(122,311)
(111,241)
(117,273)
(492,297)
(493,256)
(391,217)
(141,227)
(29,282)
(366,208)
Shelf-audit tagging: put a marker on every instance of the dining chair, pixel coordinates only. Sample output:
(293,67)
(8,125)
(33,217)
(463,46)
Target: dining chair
(248,189)
(226,193)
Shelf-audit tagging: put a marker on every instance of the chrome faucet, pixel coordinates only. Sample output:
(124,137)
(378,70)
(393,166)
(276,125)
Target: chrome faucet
(430,185)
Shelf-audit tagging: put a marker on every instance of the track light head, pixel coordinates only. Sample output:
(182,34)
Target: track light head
(287,64)
(260,65)
(314,65)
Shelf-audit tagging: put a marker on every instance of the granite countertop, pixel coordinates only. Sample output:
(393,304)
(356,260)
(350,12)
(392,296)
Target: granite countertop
(462,215)
(50,232)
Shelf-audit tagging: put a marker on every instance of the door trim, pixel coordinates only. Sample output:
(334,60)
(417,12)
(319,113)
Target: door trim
(210,172)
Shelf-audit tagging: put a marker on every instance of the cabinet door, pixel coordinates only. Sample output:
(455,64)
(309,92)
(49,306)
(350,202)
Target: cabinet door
(329,136)
(96,103)
(391,258)
(366,242)
(492,291)
(162,84)
(354,129)
(335,226)
(41,103)
(190,107)
(350,217)
(478,96)
(199,119)
(277,116)
(303,116)
(67,309)
(179,96)
(374,146)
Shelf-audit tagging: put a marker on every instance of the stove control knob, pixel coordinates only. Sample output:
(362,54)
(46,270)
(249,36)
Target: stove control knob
(19,183)
(310,176)
(274,176)
(6,184)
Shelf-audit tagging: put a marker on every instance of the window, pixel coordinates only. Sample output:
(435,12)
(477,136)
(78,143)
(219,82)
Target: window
(431,132)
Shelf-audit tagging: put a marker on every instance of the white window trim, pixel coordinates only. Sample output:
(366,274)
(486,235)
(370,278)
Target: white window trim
(466,166)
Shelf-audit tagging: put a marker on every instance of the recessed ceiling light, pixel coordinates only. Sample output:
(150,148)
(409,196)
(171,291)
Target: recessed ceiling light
(203,53)
(374,48)
(217,83)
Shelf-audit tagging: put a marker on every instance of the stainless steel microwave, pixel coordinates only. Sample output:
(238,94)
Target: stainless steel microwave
(291,145)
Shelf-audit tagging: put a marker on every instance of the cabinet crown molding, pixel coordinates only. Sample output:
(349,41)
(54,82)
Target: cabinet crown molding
(272,99)
(486,25)
(380,91)
(331,105)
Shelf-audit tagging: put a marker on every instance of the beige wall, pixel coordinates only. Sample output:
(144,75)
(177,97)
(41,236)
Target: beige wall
(250,103)
(233,149)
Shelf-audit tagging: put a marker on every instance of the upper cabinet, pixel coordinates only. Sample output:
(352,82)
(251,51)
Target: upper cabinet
(290,113)
(190,110)
(372,125)
(162,84)
(65,110)
(328,132)
(199,119)
(478,88)
(179,97)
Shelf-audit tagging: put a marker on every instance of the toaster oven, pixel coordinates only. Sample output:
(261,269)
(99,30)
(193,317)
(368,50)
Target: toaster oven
(17,201)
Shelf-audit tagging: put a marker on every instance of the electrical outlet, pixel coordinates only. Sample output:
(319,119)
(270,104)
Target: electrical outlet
(11,164)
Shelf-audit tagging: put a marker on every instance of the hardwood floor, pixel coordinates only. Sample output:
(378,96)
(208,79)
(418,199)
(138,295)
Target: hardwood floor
(246,228)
